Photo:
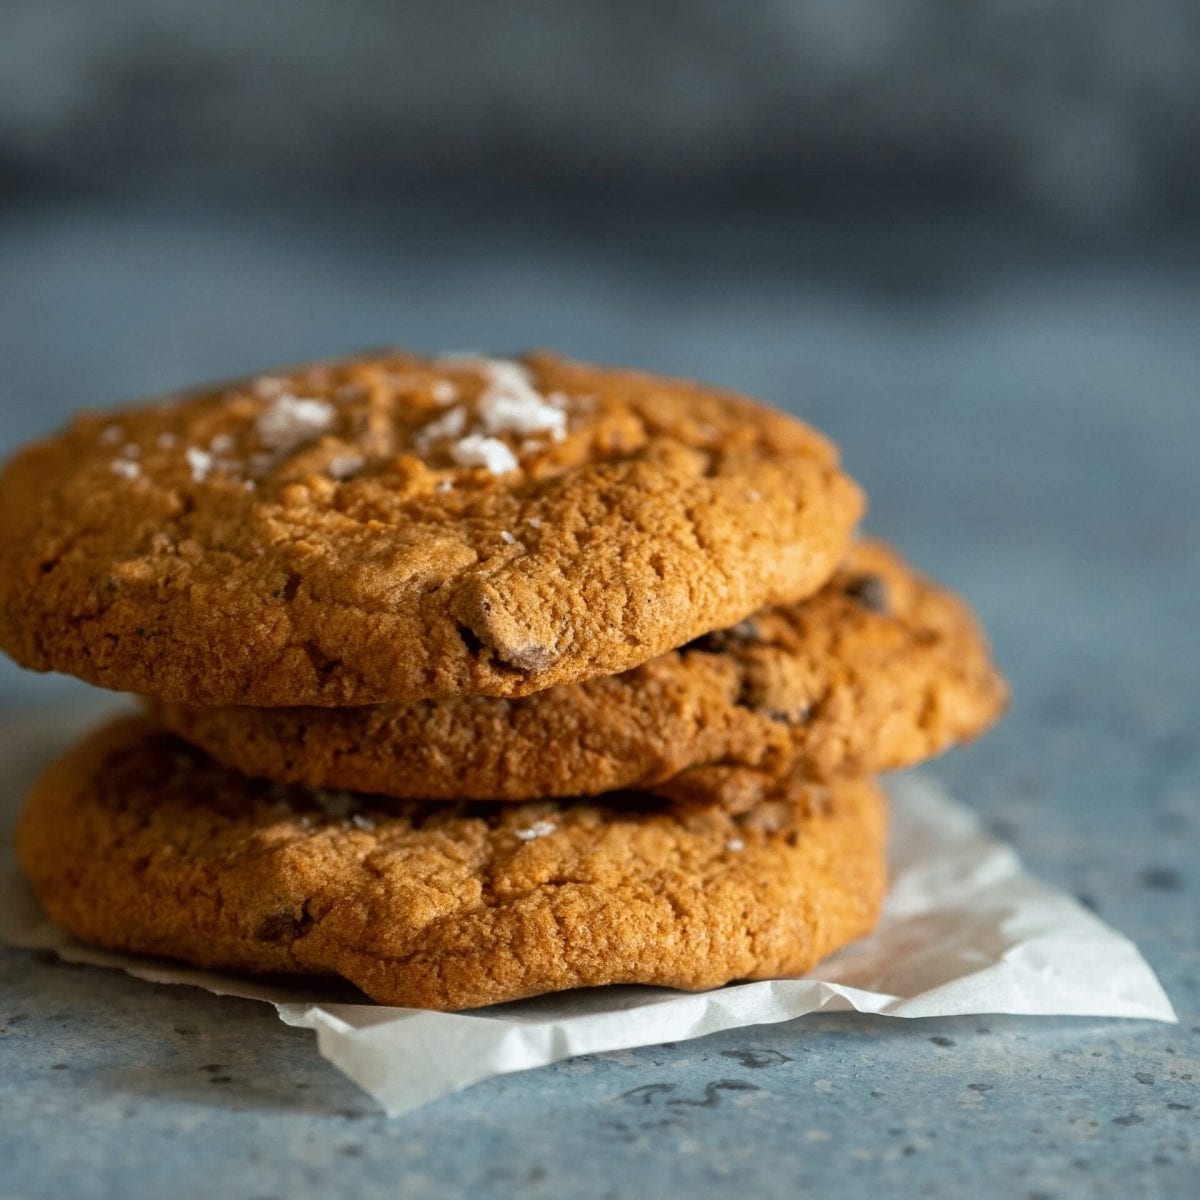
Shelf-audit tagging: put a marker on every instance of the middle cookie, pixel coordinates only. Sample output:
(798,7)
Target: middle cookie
(879,670)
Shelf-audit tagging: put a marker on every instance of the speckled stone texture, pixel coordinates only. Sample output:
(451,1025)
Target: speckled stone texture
(1031,440)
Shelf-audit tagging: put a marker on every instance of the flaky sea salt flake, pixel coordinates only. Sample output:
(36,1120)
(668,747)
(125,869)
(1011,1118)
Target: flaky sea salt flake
(290,421)
(538,829)
(201,463)
(510,404)
(475,450)
(125,468)
(345,465)
(449,425)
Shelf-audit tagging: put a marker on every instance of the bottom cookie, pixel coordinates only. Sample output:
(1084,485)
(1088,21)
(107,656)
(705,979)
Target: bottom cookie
(136,842)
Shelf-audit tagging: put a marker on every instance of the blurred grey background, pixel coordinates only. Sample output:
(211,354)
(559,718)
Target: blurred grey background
(961,238)
(1082,112)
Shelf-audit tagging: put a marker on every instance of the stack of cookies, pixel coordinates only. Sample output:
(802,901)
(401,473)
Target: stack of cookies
(467,679)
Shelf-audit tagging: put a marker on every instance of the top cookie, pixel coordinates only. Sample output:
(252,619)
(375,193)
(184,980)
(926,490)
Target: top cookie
(393,528)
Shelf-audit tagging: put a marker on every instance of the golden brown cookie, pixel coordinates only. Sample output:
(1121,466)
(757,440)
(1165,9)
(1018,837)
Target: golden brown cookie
(137,843)
(392,528)
(878,670)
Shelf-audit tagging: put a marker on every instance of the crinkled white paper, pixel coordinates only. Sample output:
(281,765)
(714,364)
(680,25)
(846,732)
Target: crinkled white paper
(965,931)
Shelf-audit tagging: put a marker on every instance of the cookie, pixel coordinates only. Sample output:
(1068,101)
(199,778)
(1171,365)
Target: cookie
(395,528)
(137,843)
(878,670)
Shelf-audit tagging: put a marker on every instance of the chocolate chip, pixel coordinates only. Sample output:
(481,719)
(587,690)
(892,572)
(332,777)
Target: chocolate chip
(745,631)
(871,591)
(288,591)
(321,662)
(284,926)
(722,640)
(470,639)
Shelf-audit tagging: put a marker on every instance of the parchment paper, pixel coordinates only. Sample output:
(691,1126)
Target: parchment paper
(965,931)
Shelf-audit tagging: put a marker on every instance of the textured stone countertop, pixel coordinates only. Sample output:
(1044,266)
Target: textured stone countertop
(1029,433)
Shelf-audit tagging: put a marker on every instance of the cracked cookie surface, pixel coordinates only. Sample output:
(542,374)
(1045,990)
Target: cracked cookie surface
(878,670)
(393,528)
(136,842)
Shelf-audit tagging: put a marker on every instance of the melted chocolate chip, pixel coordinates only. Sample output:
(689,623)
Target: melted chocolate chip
(721,640)
(284,926)
(470,639)
(745,631)
(871,591)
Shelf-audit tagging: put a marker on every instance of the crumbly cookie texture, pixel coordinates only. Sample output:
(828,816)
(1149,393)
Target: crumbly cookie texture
(878,670)
(137,843)
(394,528)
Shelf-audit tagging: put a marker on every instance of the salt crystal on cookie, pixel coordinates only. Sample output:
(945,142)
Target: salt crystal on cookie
(475,450)
(290,421)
